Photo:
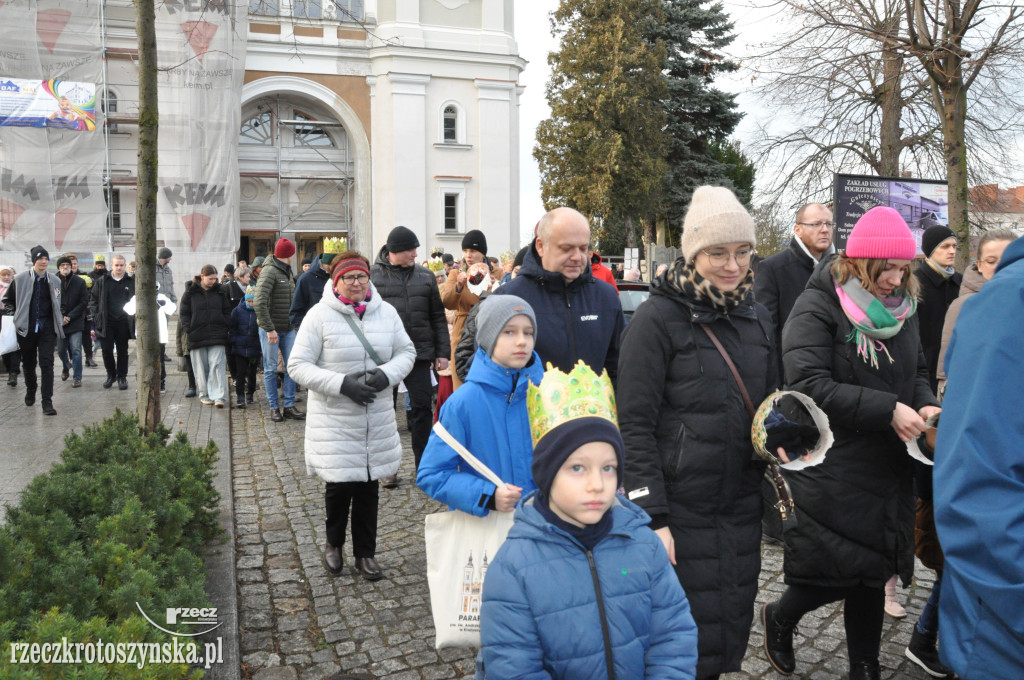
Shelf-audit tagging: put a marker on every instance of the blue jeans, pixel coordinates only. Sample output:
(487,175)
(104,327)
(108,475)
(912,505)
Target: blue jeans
(72,342)
(928,623)
(284,344)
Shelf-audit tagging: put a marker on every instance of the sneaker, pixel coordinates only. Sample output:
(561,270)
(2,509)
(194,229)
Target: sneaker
(892,605)
(190,392)
(122,383)
(206,401)
(778,640)
(922,652)
(250,398)
(65,374)
(48,409)
(108,382)
(219,403)
(77,383)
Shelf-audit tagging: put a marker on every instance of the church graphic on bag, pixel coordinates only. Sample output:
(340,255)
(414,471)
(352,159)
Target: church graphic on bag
(472,586)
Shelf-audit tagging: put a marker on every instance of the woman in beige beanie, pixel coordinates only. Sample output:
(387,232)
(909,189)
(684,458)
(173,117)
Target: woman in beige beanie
(689,461)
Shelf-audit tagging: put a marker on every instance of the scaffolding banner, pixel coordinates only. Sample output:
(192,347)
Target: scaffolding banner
(201,49)
(51,153)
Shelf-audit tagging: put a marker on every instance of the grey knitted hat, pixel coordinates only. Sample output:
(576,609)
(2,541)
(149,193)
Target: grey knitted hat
(715,217)
(495,312)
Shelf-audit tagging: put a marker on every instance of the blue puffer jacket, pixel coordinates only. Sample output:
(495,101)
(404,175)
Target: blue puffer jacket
(244,333)
(541,616)
(581,320)
(979,488)
(488,416)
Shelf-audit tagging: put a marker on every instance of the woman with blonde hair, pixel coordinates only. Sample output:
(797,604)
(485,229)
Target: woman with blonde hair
(852,344)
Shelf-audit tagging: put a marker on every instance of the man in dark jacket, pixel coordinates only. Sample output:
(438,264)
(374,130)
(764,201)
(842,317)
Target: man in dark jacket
(274,292)
(110,293)
(309,289)
(74,302)
(578,316)
(412,290)
(34,300)
(782,277)
(940,285)
(778,282)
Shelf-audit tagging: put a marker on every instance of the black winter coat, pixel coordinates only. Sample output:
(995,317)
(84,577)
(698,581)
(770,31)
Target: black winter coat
(99,299)
(689,461)
(413,292)
(235,290)
(855,511)
(937,294)
(778,283)
(309,290)
(74,302)
(205,314)
(579,321)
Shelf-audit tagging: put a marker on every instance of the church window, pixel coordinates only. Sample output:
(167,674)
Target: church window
(450,125)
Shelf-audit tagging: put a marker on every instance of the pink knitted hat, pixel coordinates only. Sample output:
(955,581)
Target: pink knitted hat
(880,234)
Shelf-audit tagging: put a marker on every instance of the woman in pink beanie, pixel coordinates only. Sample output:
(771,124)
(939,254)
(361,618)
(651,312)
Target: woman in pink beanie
(852,345)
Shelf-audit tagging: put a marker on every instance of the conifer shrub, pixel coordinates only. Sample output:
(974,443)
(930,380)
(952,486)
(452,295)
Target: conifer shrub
(119,524)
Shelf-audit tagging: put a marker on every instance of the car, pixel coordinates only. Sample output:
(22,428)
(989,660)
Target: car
(631,294)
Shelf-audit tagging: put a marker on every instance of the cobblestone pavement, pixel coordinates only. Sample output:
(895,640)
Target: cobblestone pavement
(296,622)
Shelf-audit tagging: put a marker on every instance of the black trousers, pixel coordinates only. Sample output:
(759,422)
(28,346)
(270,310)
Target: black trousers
(12,361)
(362,497)
(244,373)
(863,612)
(421,414)
(190,373)
(38,348)
(115,336)
(87,339)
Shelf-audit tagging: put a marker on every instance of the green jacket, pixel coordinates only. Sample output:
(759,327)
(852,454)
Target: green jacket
(273,299)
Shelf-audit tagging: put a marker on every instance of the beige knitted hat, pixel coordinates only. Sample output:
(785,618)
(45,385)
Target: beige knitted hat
(715,217)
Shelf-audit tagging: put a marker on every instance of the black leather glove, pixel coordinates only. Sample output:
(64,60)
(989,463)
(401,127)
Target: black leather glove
(356,390)
(377,379)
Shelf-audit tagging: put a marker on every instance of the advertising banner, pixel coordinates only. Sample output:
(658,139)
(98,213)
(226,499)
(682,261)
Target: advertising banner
(52,155)
(923,203)
(201,54)
(47,103)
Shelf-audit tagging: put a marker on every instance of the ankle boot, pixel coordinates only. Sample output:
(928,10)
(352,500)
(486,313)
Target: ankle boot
(892,604)
(865,670)
(778,639)
(922,651)
(12,379)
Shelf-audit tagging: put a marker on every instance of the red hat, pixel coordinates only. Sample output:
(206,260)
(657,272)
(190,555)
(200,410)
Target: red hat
(342,267)
(284,248)
(880,234)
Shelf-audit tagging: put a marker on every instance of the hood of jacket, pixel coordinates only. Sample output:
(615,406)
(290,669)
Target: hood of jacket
(533,269)
(383,261)
(627,519)
(493,377)
(972,282)
(701,312)
(198,285)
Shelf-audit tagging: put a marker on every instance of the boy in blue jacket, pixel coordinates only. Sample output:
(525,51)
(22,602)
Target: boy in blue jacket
(245,348)
(487,414)
(582,588)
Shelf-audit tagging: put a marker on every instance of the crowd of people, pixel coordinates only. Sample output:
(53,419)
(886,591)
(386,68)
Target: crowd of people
(626,449)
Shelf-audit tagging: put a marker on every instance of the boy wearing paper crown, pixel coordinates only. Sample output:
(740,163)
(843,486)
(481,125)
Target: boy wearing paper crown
(488,415)
(582,588)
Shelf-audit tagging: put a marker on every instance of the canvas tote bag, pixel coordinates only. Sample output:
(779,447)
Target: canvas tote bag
(459,546)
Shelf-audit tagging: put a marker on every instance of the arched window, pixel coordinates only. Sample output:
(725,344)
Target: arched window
(450,125)
(310,135)
(258,130)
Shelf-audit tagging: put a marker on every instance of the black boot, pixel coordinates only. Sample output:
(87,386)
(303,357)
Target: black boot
(12,379)
(109,381)
(30,396)
(922,651)
(778,639)
(865,670)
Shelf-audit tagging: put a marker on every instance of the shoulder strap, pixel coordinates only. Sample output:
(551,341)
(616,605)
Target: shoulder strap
(362,339)
(732,367)
(473,461)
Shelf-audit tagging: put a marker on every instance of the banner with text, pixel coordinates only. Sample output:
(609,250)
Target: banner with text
(51,151)
(202,60)
(923,203)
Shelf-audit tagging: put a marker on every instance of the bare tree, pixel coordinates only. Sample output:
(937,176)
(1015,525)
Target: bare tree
(146,322)
(883,87)
(773,225)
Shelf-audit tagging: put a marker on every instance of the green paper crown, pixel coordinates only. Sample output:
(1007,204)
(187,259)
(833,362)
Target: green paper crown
(563,397)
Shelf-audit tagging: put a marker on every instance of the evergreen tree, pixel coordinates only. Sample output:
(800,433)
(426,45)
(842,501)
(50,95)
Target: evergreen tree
(694,34)
(602,151)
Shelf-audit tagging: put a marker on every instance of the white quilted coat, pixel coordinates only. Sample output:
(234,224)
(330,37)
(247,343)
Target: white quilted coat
(346,442)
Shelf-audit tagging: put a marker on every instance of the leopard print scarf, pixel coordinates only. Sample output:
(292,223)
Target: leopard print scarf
(684,277)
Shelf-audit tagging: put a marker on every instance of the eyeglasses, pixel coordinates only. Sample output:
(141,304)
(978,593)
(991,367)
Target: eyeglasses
(355,278)
(817,225)
(720,258)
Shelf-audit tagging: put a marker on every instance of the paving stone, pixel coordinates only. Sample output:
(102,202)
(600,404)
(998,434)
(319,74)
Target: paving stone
(277,673)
